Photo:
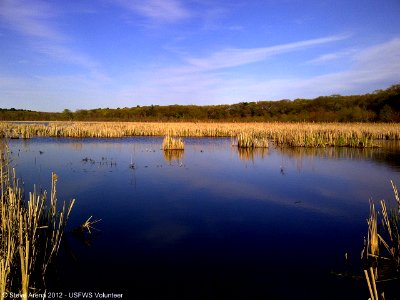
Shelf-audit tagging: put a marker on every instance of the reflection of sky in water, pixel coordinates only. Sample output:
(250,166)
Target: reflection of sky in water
(210,212)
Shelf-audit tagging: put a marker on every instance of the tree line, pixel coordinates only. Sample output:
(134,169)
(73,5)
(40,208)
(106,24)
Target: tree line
(379,106)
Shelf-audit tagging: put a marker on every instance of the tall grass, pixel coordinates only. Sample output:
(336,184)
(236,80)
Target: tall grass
(172,143)
(30,231)
(359,135)
(382,247)
(251,140)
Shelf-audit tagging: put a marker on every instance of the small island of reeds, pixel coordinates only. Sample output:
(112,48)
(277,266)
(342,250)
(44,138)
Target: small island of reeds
(249,140)
(172,143)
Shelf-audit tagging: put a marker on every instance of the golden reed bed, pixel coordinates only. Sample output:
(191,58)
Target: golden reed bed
(31,230)
(281,134)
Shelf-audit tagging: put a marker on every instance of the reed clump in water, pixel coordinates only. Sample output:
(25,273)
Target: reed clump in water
(251,140)
(30,232)
(382,247)
(172,143)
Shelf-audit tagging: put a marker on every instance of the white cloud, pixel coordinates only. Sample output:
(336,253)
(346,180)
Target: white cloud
(368,69)
(35,20)
(332,56)
(384,56)
(234,57)
(164,11)
(30,18)
(64,54)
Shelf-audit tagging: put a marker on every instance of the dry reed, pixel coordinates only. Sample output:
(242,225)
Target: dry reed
(372,242)
(251,140)
(87,226)
(171,143)
(383,246)
(360,135)
(30,232)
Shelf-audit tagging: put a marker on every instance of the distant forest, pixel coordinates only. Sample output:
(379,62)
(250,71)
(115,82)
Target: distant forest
(379,106)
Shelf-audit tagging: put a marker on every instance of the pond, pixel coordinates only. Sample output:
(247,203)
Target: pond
(211,222)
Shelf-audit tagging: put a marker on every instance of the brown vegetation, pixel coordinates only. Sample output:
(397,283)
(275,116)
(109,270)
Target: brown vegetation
(172,143)
(382,246)
(30,232)
(251,140)
(360,135)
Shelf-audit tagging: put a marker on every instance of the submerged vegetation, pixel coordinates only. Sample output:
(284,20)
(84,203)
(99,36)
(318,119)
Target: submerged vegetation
(30,232)
(379,106)
(382,247)
(357,135)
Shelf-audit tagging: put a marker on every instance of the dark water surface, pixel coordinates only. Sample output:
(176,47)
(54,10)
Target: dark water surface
(212,222)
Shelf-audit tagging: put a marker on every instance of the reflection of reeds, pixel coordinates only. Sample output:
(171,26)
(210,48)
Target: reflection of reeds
(172,143)
(356,135)
(330,152)
(251,153)
(383,246)
(173,155)
(30,232)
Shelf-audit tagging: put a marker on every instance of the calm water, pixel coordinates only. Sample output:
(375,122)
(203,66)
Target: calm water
(212,222)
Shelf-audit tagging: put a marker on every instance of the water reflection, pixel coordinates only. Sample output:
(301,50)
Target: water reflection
(76,146)
(173,155)
(252,153)
(388,153)
(218,225)
(329,152)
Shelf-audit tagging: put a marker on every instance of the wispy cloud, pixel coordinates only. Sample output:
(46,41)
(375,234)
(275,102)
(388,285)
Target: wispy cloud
(234,57)
(162,11)
(35,20)
(328,57)
(367,69)
(371,68)
(30,18)
(65,54)
(385,56)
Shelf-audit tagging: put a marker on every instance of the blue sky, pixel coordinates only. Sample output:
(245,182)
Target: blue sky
(120,53)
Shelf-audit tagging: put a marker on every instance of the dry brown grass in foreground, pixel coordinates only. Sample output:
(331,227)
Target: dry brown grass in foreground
(30,232)
(382,247)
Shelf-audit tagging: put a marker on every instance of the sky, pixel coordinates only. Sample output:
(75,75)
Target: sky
(86,54)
